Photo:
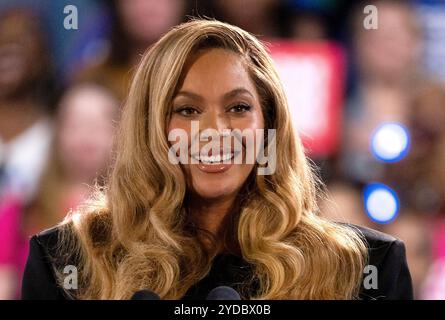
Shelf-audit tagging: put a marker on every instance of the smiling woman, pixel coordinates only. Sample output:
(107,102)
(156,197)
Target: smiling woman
(180,230)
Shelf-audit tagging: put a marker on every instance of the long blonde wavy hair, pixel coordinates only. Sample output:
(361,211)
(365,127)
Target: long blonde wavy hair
(137,235)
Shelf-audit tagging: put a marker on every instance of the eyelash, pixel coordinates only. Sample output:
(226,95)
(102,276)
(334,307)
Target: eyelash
(245,108)
(180,111)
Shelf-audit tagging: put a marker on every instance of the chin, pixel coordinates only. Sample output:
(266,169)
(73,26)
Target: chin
(215,189)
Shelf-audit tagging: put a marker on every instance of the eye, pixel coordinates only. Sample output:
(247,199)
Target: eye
(240,108)
(187,111)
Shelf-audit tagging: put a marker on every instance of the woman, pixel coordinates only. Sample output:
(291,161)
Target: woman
(26,93)
(181,229)
(80,153)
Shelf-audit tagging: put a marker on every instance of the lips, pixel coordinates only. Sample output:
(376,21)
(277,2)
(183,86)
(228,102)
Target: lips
(217,163)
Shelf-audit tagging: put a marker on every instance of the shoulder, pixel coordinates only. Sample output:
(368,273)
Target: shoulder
(44,262)
(48,238)
(386,274)
(375,240)
(53,243)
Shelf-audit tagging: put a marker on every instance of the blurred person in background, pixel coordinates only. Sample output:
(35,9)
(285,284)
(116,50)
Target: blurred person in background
(386,61)
(259,17)
(137,24)
(417,175)
(428,120)
(420,177)
(414,230)
(79,156)
(25,76)
(25,128)
(312,20)
(308,25)
(81,152)
(317,20)
(437,177)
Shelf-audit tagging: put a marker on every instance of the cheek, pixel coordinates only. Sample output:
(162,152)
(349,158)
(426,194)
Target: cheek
(176,124)
(254,121)
(173,124)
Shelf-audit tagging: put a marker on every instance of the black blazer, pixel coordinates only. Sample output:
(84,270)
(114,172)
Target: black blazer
(386,253)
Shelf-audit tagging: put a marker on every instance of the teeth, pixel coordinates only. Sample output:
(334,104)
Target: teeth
(227,156)
(213,159)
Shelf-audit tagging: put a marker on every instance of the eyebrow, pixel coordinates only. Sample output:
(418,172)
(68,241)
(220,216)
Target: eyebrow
(226,96)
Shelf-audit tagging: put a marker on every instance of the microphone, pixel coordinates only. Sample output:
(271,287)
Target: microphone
(145,295)
(223,293)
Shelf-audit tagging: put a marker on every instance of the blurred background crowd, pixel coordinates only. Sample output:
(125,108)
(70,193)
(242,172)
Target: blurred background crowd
(61,92)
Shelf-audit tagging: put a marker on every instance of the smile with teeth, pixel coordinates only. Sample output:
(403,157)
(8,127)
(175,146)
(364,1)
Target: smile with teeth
(216,159)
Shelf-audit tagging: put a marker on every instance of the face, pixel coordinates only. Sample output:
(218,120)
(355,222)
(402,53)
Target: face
(146,20)
(218,93)
(392,49)
(20,52)
(86,131)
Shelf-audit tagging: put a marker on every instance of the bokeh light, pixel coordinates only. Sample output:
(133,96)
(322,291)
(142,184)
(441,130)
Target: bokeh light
(381,202)
(390,142)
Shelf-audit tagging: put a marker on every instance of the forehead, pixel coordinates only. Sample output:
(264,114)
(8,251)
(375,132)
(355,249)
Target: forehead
(78,101)
(215,72)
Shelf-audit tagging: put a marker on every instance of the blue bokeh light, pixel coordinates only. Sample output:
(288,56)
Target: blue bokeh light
(390,142)
(381,203)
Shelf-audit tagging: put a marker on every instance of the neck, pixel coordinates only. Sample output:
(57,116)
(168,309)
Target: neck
(210,214)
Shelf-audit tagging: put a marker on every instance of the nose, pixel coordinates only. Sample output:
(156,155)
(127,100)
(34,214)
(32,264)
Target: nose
(216,120)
